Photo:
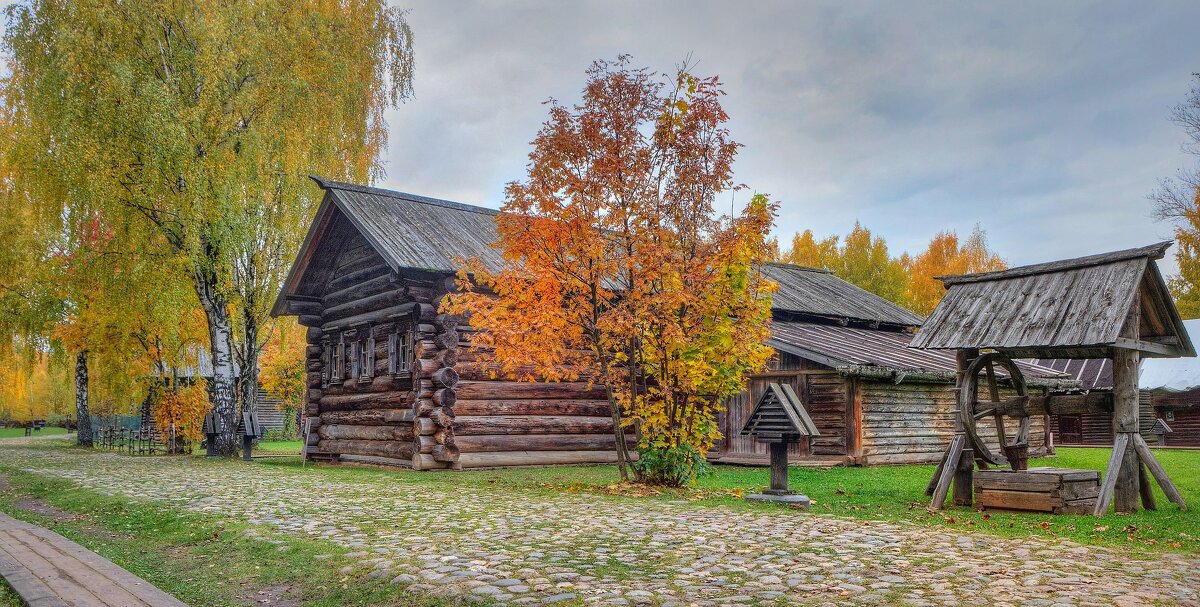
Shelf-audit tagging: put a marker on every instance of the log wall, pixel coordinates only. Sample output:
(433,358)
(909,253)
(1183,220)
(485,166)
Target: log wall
(1095,429)
(502,422)
(451,408)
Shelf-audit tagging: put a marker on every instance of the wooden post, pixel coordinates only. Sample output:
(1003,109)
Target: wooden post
(964,471)
(1125,414)
(958,465)
(1145,489)
(779,469)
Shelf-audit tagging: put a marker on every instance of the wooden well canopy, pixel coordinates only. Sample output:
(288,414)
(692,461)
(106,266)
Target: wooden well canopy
(1113,305)
(1075,308)
(779,418)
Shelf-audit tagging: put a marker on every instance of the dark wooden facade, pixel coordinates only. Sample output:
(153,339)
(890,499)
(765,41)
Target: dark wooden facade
(1180,411)
(392,381)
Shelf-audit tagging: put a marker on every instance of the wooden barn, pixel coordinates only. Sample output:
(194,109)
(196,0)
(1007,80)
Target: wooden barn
(845,353)
(390,380)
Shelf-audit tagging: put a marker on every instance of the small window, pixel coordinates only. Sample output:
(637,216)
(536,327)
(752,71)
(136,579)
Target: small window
(368,362)
(326,363)
(1169,416)
(400,352)
(339,362)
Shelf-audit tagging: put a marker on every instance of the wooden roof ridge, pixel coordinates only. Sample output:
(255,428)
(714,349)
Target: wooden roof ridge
(1154,251)
(796,266)
(330,184)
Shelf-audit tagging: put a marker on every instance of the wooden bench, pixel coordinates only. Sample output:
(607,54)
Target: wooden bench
(47,570)
(1052,490)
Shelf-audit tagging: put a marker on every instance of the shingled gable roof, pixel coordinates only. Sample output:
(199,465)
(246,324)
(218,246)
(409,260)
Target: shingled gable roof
(815,292)
(408,231)
(1073,308)
(420,233)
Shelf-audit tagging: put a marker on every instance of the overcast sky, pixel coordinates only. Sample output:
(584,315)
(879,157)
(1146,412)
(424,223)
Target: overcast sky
(1047,123)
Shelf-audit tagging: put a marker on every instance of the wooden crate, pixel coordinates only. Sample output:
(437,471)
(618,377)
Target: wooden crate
(1054,490)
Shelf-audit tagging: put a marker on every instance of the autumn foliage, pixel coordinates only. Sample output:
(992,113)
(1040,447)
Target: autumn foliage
(862,259)
(617,270)
(182,409)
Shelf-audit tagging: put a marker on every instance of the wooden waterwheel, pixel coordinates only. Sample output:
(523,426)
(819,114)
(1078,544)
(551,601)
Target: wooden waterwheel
(982,373)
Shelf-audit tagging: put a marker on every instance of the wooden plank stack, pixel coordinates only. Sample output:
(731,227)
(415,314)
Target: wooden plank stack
(1051,490)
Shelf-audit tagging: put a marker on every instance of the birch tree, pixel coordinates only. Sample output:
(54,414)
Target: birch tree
(193,126)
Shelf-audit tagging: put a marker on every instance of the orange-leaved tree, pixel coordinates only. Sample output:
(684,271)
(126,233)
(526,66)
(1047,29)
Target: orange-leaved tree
(947,255)
(613,256)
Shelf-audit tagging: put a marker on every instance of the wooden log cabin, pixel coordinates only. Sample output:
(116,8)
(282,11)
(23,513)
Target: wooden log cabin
(391,381)
(873,399)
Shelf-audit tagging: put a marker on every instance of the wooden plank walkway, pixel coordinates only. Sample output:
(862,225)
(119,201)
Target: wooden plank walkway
(48,570)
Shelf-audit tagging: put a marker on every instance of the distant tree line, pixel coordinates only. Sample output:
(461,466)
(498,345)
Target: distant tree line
(863,259)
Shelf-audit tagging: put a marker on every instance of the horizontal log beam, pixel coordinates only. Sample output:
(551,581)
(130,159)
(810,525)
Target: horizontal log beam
(379,433)
(535,458)
(1054,404)
(368,417)
(489,390)
(365,400)
(380,448)
(487,443)
(383,315)
(531,424)
(588,408)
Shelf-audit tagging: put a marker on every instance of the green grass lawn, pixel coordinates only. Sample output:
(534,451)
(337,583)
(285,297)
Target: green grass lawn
(282,447)
(20,432)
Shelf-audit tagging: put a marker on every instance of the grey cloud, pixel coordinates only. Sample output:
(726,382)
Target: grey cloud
(1046,123)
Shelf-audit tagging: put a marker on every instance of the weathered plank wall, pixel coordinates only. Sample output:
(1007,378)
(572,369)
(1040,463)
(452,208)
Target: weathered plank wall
(912,422)
(1186,427)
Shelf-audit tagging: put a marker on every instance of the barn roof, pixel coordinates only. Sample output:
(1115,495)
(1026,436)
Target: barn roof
(1074,308)
(816,292)
(878,353)
(1092,373)
(417,232)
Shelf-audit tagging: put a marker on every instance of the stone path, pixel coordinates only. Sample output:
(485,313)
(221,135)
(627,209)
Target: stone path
(48,570)
(520,549)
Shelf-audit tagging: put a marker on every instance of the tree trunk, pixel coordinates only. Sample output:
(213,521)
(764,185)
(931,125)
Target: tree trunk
(83,436)
(221,388)
(248,378)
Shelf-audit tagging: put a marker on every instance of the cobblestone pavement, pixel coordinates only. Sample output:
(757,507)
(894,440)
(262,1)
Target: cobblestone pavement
(518,549)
